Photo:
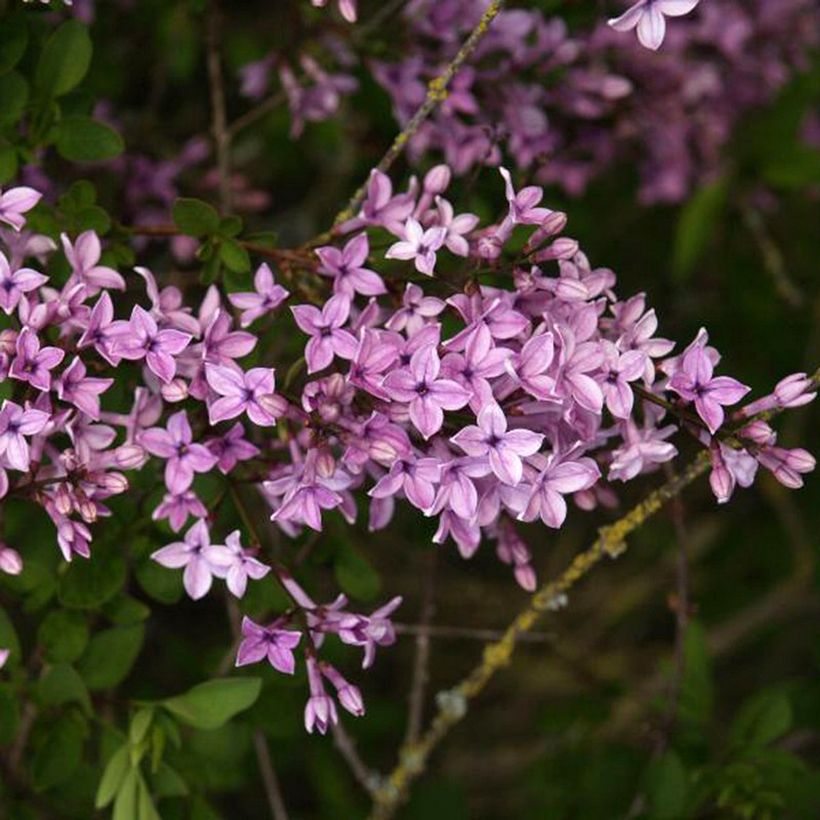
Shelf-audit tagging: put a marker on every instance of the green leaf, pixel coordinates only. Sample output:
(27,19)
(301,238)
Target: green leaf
(762,720)
(355,575)
(666,788)
(59,752)
(140,724)
(87,584)
(161,584)
(195,217)
(115,771)
(8,163)
(697,688)
(9,715)
(145,805)
(126,610)
(209,705)
(234,256)
(84,139)
(64,60)
(13,42)
(125,805)
(168,783)
(230,226)
(698,221)
(110,656)
(13,97)
(63,635)
(63,684)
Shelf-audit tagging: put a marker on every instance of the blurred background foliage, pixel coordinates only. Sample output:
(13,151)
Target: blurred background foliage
(582,724)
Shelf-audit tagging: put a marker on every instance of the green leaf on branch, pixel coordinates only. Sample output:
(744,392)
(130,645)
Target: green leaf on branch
(125,805)
(110,656)
(64,60)
(667,788)
(762,720)
(87,584)
(13,42)
(59,751)
(13,97)
(116,769)
(234,256)
(195,217)
(63,684)
(63,635)
(140,724)
(211,704)
(84,139)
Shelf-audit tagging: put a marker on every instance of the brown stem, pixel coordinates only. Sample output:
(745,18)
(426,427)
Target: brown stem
(219,127)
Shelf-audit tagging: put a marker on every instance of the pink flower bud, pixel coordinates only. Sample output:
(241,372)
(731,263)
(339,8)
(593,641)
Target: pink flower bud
(4,656)
(8,341)
(721,481)
(787,465)
(561,248)
(10,561)
(759,432)
(175,391)
(130,456)
(525,577)
(113,483)
(351,699)
(791,391)
(63,500)
(437,180)
(273,404)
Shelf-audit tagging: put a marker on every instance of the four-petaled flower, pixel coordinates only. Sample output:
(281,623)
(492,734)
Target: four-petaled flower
(236,565)
(419,245)
(556,480)
(426,394)
(325,329)
(260,642)
(268,297)
(694,382)
(346,268)
(239,392)
(504,448)
(15,423)
(197,555)
(183,457)
(34,364)
(140,338)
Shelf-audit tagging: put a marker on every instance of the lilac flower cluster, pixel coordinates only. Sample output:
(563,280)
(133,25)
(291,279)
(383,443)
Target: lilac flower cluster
(506,380)
(569,104)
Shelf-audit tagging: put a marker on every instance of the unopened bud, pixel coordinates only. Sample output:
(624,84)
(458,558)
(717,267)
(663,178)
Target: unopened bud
(175,391)
(10,561)
(437,180)
(130,456)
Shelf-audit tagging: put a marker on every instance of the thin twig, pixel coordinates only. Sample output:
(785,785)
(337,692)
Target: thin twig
(772,257)
(436,94)
(421,661)
(369,779)
(272,787)
(219,123)
(467,633)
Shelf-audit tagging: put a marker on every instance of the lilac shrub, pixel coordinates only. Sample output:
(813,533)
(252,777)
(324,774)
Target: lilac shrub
(483,375)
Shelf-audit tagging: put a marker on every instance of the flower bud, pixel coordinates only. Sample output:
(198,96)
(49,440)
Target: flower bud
(273,404)
(561,248)
(437,180)
(114,483)
(791,391)
(175,391)
(8,342)
(63,501)
(10,561)
(525,577)
(130,456)
(350,697)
